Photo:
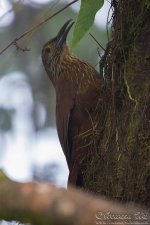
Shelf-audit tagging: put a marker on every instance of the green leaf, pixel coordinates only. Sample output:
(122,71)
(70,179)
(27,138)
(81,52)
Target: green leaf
(85,19)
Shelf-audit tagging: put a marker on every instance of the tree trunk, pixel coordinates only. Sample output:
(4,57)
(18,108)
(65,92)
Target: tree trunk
(121,167)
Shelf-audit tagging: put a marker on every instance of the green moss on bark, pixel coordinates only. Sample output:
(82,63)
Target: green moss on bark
(121,167)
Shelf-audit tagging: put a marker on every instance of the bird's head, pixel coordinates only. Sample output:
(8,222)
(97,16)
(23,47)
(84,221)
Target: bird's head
(54,48)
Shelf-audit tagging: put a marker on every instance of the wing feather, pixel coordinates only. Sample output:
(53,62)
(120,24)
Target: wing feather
(65,97)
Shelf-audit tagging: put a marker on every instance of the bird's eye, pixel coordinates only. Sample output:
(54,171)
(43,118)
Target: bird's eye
(48,50)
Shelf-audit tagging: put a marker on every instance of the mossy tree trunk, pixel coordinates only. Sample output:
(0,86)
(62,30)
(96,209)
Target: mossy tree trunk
(121,168)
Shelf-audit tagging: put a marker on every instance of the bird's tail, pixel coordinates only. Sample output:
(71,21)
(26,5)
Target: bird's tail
(75,177)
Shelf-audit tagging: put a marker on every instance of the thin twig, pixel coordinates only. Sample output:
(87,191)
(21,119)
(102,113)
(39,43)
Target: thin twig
(107,24)
(20,48)
(97,42)
(109,2)
(35,27)
(5,14)
(108,21)
(99,53)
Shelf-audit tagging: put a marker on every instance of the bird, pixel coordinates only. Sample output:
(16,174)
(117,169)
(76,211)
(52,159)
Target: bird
(79,103)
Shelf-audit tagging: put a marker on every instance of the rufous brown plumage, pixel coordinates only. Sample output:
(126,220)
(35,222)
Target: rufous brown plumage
(78,102)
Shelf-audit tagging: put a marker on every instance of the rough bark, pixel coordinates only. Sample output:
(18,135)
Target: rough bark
(121,168)
(38,203)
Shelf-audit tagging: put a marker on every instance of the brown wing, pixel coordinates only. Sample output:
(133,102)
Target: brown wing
(84,128)
(65,96)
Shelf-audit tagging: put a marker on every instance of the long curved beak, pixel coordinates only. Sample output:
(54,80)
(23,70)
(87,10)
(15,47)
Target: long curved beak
(62,34)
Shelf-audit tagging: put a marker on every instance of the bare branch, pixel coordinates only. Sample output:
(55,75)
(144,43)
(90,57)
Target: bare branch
(97,42)
(42,203)
(5,14)
(18,47)
(35,27)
